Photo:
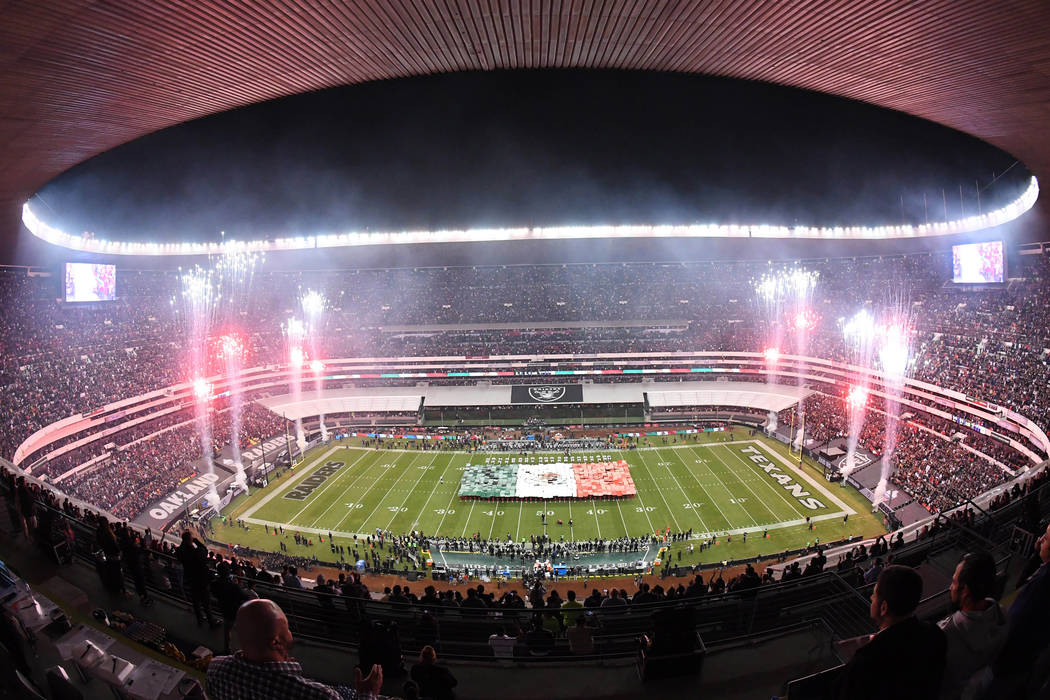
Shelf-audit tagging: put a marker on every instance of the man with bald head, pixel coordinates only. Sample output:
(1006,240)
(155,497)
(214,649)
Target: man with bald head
(264,669)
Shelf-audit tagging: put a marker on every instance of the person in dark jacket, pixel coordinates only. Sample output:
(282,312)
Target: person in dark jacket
(193,556)
(231,596)
(434,681)
(905,659)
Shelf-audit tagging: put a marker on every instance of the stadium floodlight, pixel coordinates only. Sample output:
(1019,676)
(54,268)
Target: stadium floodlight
(201,389)
(316,366)
(772,355)
(91,244)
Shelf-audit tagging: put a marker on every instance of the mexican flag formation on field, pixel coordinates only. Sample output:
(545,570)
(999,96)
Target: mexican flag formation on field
(547,480)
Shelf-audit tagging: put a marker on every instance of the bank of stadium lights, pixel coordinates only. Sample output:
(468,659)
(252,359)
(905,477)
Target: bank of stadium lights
(316,366)
(970,224)
(772,355)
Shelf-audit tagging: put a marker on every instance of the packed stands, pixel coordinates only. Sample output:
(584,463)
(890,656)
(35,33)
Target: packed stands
(59,359)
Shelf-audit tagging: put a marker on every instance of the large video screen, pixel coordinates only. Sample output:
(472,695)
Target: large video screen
(978,263)
(91,282)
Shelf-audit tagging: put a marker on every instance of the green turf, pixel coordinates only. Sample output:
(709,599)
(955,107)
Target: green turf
(707,486)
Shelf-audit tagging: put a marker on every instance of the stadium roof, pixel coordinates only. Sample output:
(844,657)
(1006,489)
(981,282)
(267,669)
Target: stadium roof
(79,78)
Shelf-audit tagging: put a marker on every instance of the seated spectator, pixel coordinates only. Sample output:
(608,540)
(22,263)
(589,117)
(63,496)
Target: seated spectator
(502,644)
(264,669)
(434,681)
(976,631)
(540,641)
(614,600)
(581,640)
(905,659)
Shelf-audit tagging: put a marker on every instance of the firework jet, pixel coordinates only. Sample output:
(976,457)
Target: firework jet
(294,334)
(859,334)
(200,297)
(313,304)
(785,298)
(236,273)
(232,354)
(894,355)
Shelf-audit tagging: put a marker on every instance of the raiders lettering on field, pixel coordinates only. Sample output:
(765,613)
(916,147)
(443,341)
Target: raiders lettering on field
(783,479)
(308,485)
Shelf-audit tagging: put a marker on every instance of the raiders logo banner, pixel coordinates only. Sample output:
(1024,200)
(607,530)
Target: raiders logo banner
(547,393)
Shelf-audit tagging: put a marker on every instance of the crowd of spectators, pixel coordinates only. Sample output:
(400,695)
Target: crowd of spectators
(59,359)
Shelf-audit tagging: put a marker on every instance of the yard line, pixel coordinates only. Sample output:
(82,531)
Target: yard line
(753,492)
(662,497)
(340,498)
(467,521)
(708,493)
(411,492)
(441,522)
(639,497)
(491,526)
(381,499)
(441,478)
(571,536)
(517,532)
(626,532)
(292,480)
(594,509)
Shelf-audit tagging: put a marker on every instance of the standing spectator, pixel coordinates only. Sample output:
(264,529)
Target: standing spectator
(976,631)
(193,556)
(434,681)
(109,566)
(905,659)
(1017,670)
(231,596)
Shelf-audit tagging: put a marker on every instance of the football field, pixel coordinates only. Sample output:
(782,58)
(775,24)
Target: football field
(712,488)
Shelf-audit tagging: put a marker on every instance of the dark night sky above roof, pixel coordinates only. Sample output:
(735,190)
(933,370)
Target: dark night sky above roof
(536,148)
